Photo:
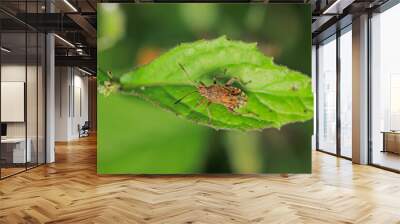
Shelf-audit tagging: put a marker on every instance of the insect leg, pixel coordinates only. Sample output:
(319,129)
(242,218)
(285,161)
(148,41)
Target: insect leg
(183,97)
(199,102)
(231,81)
(219,77)
(186,73)
(236,79)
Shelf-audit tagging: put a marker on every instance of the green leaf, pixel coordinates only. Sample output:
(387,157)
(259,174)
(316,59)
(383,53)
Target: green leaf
(102,77)
(111,26)
(276,94)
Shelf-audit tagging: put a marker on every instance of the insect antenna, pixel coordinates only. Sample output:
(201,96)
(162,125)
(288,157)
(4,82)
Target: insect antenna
(186,74)
(183,97)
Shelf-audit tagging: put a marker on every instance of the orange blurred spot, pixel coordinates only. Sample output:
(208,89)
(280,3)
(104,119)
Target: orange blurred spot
(146,55)
(270,49)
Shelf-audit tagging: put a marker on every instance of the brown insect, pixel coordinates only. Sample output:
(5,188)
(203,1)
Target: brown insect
(224,94)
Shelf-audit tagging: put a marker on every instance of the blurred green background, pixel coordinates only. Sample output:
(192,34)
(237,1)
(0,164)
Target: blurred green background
(136,137)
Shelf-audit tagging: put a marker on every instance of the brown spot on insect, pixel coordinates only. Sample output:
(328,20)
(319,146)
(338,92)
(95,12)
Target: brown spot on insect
(227,95)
